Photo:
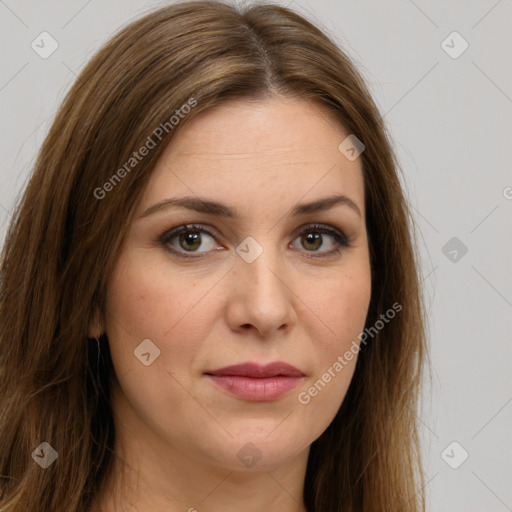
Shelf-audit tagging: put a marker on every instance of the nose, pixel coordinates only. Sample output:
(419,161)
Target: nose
(261,298)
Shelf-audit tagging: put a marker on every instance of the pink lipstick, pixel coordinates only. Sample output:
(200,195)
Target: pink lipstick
(257,383)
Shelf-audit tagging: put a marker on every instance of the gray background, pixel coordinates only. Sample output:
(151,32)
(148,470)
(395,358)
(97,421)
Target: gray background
(451,120)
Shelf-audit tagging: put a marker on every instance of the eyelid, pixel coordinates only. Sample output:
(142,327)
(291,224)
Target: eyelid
(322,228)
(172,232)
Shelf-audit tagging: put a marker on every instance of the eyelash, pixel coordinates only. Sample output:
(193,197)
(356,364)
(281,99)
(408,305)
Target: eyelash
(340,239)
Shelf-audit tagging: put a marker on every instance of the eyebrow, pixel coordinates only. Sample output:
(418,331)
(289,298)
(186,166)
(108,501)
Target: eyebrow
(215,208)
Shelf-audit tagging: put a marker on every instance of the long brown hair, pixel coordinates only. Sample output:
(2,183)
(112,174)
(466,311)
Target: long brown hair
(64,239)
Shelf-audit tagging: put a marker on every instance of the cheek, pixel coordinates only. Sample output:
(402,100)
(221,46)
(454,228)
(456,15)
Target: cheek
(346,309)
(146,301)
(342,306)
(341,303)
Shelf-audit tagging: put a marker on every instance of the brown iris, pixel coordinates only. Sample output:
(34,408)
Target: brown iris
(190,240)
(311,240)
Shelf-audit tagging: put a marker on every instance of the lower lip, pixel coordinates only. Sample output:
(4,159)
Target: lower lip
(256,389)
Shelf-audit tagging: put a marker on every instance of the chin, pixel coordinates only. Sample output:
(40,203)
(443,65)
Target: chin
(257,451)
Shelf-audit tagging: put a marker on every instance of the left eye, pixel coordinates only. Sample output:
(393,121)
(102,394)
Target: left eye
(320,239)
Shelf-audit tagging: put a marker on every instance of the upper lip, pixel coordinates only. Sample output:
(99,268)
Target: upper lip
(259,371)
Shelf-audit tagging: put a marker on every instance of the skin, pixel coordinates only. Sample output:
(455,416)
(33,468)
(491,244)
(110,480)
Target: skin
(177,431)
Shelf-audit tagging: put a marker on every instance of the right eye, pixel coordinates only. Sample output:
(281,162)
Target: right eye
(189,239)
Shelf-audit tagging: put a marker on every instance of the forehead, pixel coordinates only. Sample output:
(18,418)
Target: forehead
(265,126)
(258,149)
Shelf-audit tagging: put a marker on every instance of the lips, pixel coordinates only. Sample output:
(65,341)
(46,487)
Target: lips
(254,382)
(258,371)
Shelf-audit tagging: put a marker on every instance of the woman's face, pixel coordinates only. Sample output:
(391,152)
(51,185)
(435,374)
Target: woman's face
(260,275)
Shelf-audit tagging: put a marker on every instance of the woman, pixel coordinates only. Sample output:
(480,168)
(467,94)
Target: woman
(210,296)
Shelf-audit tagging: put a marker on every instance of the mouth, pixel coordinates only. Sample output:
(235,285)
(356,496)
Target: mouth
(257,383)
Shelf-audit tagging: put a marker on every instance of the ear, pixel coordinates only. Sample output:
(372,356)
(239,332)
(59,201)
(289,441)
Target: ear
(96,324)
